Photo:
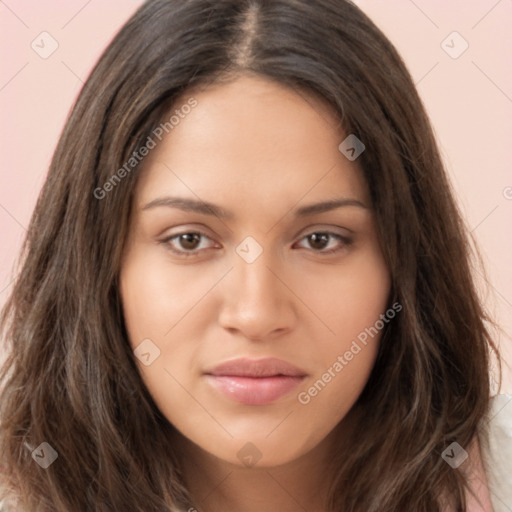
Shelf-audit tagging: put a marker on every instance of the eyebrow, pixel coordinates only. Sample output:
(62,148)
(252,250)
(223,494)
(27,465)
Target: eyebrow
(206,208)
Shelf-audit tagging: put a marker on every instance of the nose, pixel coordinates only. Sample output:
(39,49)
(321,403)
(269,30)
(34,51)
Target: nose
(256,302)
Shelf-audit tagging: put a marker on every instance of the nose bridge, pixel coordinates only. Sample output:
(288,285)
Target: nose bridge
(253,276)
(255,301)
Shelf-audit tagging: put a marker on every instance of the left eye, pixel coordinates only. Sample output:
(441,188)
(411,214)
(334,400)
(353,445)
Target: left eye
(325,242)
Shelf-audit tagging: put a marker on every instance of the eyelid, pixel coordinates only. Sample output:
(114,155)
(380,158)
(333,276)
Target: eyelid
(324,228)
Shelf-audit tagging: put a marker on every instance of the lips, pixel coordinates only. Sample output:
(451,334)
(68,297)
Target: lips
(255,382)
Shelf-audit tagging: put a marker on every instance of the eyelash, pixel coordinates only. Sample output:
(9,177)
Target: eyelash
(345,242)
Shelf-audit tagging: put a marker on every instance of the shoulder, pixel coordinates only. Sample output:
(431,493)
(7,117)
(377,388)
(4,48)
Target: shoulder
(488,465)
(495,443)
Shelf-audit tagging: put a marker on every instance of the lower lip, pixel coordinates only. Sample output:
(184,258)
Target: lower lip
(252,390)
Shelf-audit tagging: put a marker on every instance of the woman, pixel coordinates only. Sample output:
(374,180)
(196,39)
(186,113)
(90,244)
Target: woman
(246,285)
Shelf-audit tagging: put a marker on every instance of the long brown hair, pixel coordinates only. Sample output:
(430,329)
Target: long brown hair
(70,378)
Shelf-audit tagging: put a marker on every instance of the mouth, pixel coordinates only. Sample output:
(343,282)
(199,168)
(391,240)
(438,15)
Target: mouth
(255,382)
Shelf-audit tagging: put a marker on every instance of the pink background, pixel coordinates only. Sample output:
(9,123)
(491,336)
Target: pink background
(469,100)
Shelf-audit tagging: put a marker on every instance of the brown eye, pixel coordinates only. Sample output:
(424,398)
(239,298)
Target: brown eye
(325,242)
(189,243)
(318,240)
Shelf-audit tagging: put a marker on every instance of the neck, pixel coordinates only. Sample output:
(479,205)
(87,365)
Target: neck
(296,486)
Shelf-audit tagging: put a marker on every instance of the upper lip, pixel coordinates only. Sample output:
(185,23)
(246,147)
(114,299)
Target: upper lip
(268,367)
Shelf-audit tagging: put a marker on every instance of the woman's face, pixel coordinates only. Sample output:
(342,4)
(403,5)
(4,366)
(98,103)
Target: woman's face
(253,283)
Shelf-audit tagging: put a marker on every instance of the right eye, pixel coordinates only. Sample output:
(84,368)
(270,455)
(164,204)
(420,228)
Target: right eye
(187,243)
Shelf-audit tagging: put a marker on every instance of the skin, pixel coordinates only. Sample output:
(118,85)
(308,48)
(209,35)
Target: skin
(259,150)
(479,500)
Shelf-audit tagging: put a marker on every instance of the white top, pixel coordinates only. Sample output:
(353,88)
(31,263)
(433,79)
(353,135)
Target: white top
(496,452)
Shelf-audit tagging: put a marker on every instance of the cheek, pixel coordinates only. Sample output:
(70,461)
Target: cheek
(157,295)
(166,314)
(350,299)
(158,301)
(353,302)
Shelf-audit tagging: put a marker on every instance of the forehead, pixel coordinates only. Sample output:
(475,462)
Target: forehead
(255,139)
